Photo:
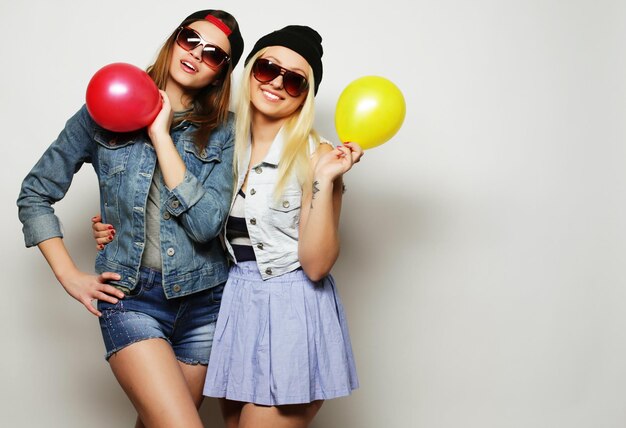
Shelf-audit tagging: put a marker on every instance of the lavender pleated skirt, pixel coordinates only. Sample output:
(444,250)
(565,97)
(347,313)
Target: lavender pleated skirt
(280,341)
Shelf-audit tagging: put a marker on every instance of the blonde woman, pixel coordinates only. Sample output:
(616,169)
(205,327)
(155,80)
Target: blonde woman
(281,343)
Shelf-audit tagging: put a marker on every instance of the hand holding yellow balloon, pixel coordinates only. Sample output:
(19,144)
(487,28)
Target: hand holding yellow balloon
(370,110)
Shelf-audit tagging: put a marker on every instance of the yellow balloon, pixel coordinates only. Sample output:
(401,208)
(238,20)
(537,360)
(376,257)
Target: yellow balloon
(370,110)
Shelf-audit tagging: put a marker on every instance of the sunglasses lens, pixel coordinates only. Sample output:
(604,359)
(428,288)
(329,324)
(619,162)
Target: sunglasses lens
(187,39)
(294,84)
(264,71)
(213,56)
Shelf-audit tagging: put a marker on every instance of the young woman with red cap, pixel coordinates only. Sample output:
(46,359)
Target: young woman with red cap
(164,193)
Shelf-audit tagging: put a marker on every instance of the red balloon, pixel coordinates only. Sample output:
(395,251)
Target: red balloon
(122,98)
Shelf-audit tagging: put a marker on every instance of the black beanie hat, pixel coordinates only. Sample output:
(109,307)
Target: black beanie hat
(216,18)
(299,38)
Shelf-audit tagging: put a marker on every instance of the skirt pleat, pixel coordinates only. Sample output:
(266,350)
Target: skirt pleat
(280,341)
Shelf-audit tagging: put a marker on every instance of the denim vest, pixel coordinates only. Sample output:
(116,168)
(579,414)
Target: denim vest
(193,213)
(272,223)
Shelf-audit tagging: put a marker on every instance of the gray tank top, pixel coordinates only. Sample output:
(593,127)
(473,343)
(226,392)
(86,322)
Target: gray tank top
(151,257)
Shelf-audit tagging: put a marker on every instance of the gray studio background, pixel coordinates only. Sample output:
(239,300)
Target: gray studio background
(484,247)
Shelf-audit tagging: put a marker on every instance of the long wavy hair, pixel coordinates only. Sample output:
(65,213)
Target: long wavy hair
(297,131)
(210,104)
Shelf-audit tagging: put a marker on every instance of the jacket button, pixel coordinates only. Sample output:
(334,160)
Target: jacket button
(253,221)
(203,154)
(259,246)
(252,191)
(176,288)
(167,215)
(258,170)
(175,204)
(286,204)
(268,271)
(170,251)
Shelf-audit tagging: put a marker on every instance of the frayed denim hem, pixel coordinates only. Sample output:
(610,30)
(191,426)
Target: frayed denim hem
(192,362)
(110,353)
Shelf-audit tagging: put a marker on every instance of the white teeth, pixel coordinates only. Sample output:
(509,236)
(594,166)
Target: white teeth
(189,65)
(270,95)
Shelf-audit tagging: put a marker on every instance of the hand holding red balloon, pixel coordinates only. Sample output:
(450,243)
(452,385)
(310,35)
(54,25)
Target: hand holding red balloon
(162,122)
(370,110)
(122,98)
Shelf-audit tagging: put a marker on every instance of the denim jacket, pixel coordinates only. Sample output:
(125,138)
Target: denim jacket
(193,213)
(272,223)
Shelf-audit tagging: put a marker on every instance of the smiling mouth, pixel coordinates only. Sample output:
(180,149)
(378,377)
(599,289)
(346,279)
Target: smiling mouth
(188,66)
(270,96)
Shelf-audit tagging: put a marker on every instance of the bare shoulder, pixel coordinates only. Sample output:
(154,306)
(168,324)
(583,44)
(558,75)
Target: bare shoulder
(322,145)
(321,149)
(324,148)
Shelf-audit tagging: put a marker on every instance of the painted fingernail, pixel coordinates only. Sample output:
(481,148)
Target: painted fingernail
(100,246)
(113,232)
(109,227)
(110,237)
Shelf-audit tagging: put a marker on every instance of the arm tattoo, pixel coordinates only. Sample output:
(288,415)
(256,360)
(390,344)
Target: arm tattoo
(314,191)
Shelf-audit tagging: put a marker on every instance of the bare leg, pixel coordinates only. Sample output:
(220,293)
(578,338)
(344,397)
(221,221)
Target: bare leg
(155,383)
(291,416)
(194,376)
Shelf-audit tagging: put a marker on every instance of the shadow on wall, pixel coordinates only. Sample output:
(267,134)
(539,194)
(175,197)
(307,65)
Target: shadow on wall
(210,413)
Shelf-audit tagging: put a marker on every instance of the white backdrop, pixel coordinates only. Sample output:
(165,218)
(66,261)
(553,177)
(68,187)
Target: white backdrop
(483,256)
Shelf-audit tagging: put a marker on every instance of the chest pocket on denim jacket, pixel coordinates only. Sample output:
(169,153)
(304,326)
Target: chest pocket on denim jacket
(113,151)
(284,213)
(201,162)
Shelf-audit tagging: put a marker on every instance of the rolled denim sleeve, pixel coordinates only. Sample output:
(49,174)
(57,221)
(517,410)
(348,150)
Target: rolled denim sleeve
(202,207)
(51,177)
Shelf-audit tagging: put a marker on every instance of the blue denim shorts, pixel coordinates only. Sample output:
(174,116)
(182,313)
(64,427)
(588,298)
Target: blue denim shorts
(187,323)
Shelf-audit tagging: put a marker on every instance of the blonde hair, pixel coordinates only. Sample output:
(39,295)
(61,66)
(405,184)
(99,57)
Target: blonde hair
(297,130)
